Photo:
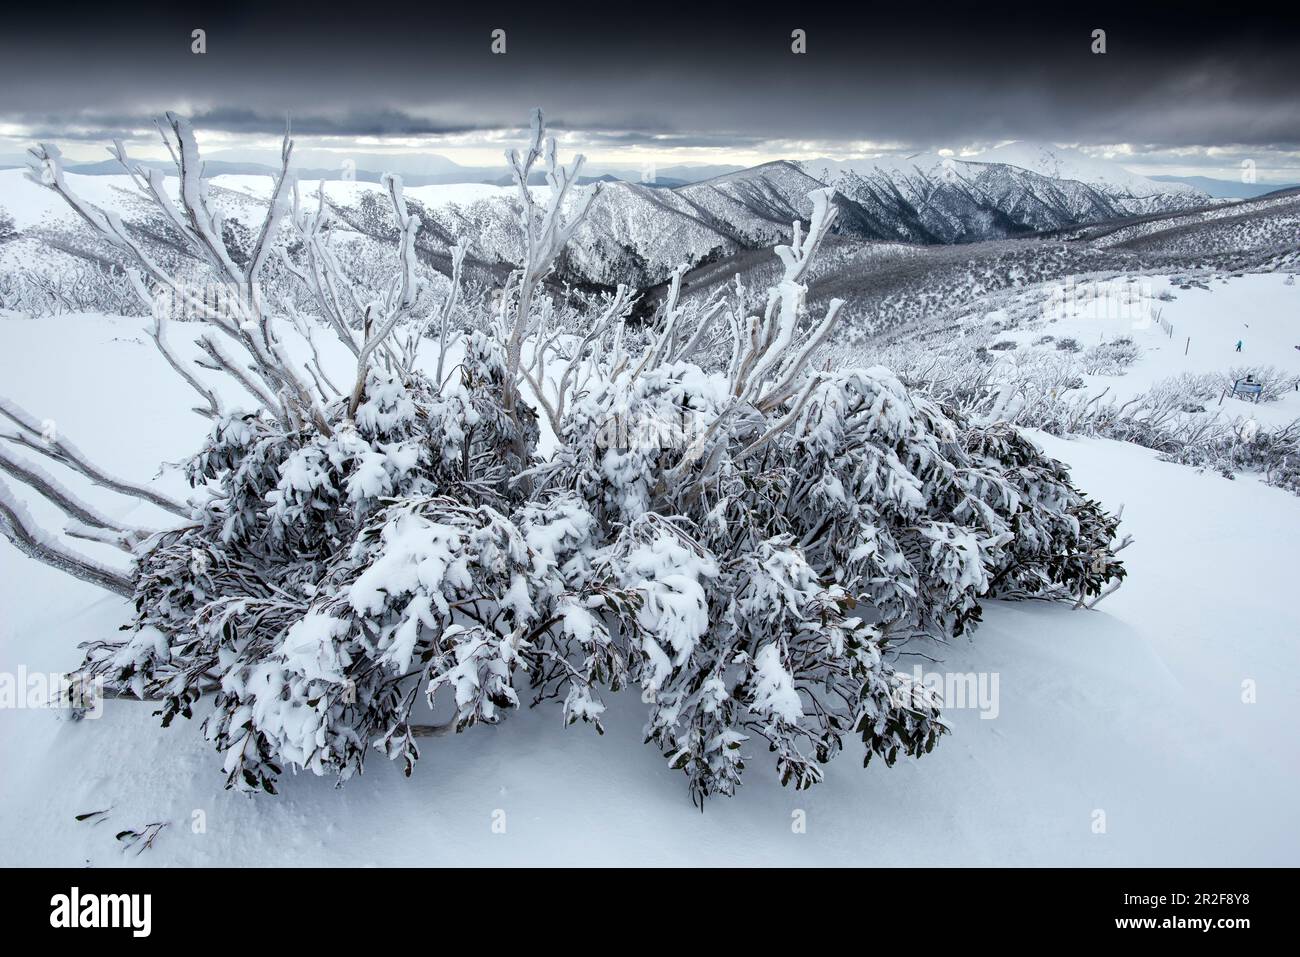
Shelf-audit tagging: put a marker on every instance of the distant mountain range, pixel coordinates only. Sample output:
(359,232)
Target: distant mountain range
(1107,176)
(1010,191)
(424,169)
(429,169)
(1227,188)
(637,232)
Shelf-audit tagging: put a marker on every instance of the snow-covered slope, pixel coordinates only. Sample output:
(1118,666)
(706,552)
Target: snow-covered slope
(633,234)
(756,206)
(32,205)
(350,192)
(1128,191)
(1014,189)
(939,199)
(1268,222)
(1181,329)
(637,234)
(1135,709)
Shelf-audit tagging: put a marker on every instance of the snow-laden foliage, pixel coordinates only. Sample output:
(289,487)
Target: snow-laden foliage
(1192,418)
(751,598)
(746,542)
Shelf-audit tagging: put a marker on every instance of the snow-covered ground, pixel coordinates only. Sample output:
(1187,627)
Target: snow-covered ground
(1138,710)
(1200,335)
(32,205)
(349,192)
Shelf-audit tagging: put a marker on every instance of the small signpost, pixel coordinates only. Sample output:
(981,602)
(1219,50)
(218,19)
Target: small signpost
(1248,388)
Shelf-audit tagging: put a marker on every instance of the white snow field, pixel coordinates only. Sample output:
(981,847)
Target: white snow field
(1203,327)
(31,205)
(1158,729)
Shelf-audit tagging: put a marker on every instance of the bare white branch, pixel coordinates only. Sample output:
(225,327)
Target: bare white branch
(61,450)
(16,524)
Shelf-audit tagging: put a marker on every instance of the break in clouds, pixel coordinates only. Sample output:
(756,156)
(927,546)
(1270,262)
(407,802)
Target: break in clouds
(1181,89)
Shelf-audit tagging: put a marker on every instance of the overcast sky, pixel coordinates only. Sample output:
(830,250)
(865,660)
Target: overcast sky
(633,82)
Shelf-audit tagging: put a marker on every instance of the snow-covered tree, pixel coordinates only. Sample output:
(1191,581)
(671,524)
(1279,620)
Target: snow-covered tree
(744,539)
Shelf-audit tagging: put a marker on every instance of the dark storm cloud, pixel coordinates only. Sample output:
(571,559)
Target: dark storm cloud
(375,122)
(237,120)
(633,73)
(659,139)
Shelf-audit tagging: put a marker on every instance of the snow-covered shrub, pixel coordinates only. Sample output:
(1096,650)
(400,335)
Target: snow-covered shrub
(1111,358)
(1189,388)
(76,288)
(746,540)
(1274,382)
(1187,418)
(266,498)
(1240,445)
(896,517)
(1062,540)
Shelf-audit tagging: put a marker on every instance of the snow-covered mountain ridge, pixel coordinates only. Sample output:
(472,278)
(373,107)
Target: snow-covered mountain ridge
(1010,190)
(637,233)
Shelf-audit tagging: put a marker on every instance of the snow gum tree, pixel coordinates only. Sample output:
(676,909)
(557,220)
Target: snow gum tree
(743,540)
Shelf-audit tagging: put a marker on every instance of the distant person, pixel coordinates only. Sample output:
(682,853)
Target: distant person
(1238,345)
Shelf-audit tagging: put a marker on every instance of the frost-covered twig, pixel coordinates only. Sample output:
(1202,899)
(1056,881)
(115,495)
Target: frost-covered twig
(157,332)
(545,229)
(250,324)
(770,356)
(555,406)
(448,306)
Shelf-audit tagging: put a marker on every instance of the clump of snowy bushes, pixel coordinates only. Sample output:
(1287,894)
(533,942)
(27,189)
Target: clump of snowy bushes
(1240,445)
(79,287)
(1190,418)
(1111,358)
(1274,382)
(743,539)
